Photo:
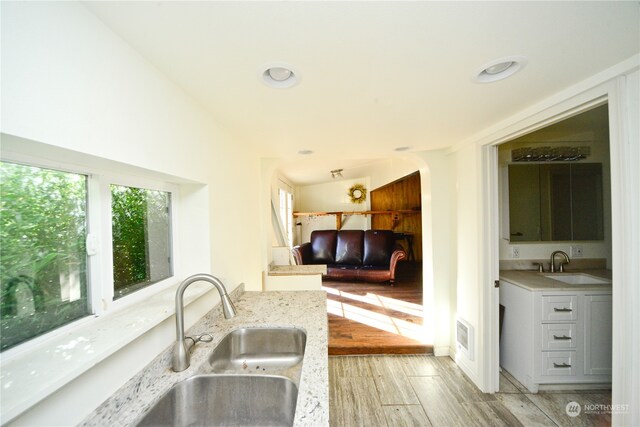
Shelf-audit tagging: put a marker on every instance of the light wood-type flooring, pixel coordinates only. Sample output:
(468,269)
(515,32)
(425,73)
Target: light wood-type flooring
(376,318)
(418,390)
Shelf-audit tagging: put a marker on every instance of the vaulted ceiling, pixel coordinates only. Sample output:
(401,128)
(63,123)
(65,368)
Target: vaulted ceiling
(374,75)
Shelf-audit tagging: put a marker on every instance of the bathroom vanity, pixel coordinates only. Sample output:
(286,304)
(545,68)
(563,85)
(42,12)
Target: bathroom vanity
(556,330)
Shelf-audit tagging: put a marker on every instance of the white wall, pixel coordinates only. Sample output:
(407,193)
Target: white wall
(69,82)
(392,169)
(626,248)
(468,229)
(331,197)
(437,174)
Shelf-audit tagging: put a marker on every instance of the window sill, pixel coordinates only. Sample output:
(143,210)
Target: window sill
(35,374)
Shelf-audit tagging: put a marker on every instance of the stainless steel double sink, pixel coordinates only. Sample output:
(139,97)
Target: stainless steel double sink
(251,379)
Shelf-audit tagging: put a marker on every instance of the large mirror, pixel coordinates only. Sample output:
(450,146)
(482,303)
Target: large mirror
(555,202)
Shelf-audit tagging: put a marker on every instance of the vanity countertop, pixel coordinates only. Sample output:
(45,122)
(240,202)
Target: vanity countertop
(535,281)
(302,309)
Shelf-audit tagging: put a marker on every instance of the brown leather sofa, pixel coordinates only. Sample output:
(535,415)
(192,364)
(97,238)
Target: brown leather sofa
(370,255)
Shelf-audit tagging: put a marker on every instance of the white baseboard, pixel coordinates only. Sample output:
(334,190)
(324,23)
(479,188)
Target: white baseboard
(461,361)
(442,351)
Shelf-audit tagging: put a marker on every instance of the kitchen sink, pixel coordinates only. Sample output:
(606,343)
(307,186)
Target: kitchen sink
(251,380)
(226,400)
(578,279)
(260,351)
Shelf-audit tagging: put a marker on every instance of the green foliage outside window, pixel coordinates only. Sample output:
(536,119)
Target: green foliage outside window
(43,260)
(129,210)
(140,233)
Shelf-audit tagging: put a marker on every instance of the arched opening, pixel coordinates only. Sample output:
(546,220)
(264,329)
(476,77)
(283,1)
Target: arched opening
(369,317)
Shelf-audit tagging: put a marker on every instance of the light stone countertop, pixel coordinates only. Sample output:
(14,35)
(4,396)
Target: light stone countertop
(301,309)
(294,270)
(535,281)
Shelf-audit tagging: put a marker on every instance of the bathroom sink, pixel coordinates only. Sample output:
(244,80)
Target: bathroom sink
(578,279)
(226,400)
(260,351)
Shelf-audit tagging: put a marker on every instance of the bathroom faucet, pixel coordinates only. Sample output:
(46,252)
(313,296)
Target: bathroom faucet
(181,348)
(553,258)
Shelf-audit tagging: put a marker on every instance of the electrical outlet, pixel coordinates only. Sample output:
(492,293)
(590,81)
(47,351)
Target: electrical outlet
(576,251)
(515,251)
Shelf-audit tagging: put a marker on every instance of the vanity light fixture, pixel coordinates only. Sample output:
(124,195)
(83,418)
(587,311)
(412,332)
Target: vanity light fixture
(336,173)
(278,75)
(305,152)
(550,154)
(499,69)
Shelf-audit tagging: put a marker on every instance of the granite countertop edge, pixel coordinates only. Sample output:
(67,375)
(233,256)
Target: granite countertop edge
(301,309)
(536,281)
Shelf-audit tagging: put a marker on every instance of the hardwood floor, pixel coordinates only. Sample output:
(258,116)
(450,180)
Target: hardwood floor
(375,318)
(420,390)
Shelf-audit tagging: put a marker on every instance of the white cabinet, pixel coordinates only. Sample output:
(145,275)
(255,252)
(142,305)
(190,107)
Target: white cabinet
(551,338)
(597,335)
(559,336)
(559,308)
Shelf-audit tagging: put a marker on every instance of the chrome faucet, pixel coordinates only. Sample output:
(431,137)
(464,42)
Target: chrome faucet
(553,259)
(181,349)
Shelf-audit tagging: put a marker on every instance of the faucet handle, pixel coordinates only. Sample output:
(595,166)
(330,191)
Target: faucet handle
(200,338)
(204,338)
(540,266)
(561,269)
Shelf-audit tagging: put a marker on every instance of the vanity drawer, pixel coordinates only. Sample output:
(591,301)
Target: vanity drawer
(559,363)
(558,336)
(558,308)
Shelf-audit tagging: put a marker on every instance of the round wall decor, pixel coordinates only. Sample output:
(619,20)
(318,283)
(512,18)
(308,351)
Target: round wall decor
(357,193)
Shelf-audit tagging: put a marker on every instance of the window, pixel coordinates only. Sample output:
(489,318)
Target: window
(286,215)
(141,238)
(46,222)
(43,261)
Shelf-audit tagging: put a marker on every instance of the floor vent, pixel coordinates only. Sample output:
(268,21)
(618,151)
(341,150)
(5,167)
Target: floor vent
(464,338)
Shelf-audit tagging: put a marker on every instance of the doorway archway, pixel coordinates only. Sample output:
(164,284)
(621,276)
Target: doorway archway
(437,283)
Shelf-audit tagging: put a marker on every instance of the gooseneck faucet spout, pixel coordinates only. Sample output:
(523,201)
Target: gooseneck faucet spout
(553,260)
(181,348)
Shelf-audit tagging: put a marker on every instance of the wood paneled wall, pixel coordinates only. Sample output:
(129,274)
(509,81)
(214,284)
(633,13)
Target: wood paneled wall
(403,194)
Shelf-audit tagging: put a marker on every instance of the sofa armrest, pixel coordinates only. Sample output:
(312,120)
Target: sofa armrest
(302,253)
(396,256)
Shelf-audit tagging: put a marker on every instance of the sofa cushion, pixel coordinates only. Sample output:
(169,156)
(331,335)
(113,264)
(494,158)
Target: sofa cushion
(350,247)
(378,247)
(323,246)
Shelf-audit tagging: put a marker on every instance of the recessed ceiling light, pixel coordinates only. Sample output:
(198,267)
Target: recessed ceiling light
(279,75)
(401,148)
(305,152)
(500,69)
